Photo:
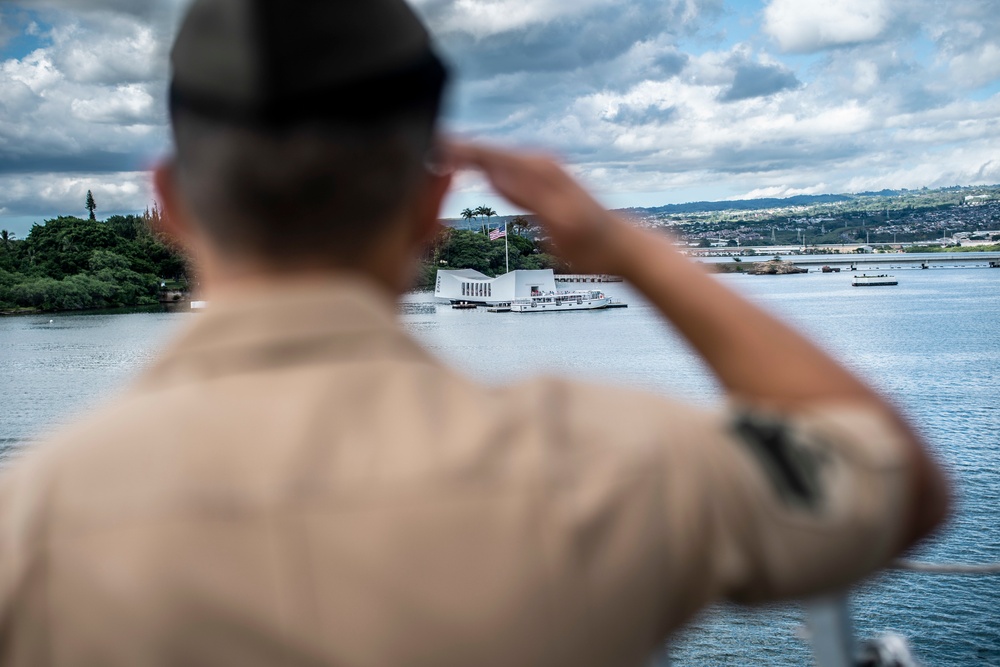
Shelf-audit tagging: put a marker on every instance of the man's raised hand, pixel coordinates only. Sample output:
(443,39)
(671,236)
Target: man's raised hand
(582,231)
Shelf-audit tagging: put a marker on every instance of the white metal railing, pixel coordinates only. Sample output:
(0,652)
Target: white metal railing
(828,625)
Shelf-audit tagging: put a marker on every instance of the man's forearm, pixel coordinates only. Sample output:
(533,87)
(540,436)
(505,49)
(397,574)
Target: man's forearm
(757,358)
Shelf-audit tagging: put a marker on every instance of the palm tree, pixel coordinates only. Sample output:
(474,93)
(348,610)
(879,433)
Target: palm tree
(489,213)
(6,238)
(520,225)
(468,214)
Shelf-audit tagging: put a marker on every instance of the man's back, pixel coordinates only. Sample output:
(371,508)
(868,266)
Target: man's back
(297,482)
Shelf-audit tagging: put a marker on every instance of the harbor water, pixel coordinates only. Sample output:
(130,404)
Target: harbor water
(932,344)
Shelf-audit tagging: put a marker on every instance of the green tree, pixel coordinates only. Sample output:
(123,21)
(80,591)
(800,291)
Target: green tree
(91,205)
(520,225)
(62,247)
(128,227)
(489,213)
(9,255)
(73,263)
(468,214)
(466,249)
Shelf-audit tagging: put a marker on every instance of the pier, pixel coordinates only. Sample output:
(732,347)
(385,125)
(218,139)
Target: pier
(597,277)
(911,259)
(849,261)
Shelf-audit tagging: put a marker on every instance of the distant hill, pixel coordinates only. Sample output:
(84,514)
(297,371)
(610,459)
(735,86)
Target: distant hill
(749,204)
(902,198)
(495,222)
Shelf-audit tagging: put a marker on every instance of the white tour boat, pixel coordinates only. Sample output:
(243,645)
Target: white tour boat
(874,281)
(560,301)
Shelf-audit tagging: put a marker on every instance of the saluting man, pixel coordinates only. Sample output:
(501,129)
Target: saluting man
(296,481)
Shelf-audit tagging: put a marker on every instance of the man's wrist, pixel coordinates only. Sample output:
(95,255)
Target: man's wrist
(621,245)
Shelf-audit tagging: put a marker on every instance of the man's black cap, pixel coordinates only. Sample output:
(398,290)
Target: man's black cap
(274,63)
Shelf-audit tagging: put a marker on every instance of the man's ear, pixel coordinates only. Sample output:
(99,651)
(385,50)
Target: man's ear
(430,200)
(175,222)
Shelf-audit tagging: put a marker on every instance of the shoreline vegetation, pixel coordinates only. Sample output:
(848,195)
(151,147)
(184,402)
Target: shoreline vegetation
(70,263)
(75,264)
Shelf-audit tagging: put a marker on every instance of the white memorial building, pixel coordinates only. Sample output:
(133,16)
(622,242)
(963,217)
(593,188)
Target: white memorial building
(471,286)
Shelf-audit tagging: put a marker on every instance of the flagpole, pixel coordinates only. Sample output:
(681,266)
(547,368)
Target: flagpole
(506,247)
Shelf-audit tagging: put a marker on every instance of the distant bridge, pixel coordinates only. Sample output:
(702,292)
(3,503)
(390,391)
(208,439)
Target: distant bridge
(876,260)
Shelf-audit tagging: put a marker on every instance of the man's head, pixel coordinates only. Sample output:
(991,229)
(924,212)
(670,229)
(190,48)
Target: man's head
(302,127)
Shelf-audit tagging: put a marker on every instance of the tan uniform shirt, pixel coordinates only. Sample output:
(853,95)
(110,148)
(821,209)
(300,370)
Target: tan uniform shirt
(296,481)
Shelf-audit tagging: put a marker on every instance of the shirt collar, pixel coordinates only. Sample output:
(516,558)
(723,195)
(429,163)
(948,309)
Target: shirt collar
(347,318)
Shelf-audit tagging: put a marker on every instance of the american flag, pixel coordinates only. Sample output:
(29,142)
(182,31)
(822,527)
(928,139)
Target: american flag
(497,234)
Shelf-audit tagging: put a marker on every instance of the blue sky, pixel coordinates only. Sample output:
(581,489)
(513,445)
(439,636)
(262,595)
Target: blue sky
(649,101)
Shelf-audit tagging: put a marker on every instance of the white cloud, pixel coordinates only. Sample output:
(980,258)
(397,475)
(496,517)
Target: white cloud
(865,77)
(125,51)
(36,71)
(146,9)
(806,27)
(53,194)
(125,105)
(489,17)
(482,18)
(610,84)
(976,67)
(936,168)
(782,191)
(90,96)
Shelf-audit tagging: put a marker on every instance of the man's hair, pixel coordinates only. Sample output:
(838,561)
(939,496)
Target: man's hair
(318,192)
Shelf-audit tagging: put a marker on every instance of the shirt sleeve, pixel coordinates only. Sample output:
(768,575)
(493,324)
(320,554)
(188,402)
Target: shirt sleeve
(756,506)
(809,502)
(22,604)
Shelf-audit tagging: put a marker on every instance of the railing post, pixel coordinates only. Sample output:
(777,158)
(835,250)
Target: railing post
(830,631)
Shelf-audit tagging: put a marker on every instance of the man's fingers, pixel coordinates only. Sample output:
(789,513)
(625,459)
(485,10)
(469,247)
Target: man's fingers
(465,155)
(517,175)
(512,174)
(460,154)
(538,183)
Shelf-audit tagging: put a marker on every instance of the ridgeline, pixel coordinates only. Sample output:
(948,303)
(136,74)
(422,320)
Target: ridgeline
(888,216)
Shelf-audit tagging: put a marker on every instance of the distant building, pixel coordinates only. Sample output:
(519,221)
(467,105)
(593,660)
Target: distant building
(474,287)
